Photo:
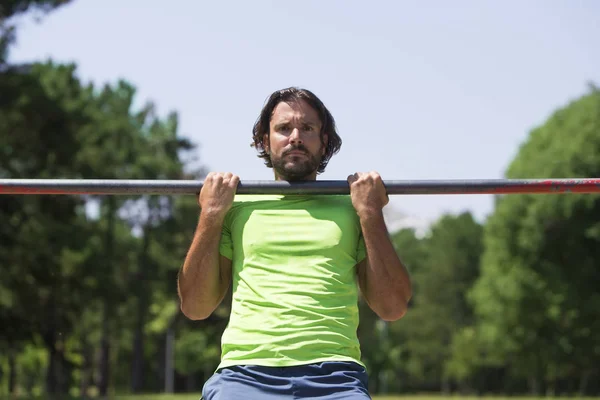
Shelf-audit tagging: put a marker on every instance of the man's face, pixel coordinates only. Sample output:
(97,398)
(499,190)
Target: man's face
(294,142)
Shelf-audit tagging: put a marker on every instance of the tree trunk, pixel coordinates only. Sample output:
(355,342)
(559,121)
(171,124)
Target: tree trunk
(534,386)
(51,373)
(137,373)
(106,306)
(583,382)
(169,357)
(384,381)
(190,383)
(86,368)
(56,386)
(464,387)
(55,377)
(445,386)
(374,378)
(104,353)
(12,372)
(160,346)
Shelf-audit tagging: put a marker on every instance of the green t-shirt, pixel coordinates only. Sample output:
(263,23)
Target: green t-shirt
(295,291)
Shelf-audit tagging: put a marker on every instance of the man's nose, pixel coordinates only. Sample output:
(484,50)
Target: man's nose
(295,136)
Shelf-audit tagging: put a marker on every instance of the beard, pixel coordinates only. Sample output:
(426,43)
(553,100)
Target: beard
(292,168)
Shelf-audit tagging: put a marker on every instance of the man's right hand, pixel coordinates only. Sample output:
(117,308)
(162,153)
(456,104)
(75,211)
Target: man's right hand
(218,192)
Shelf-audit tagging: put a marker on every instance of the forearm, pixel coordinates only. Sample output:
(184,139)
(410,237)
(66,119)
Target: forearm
(386,283)
(200,284)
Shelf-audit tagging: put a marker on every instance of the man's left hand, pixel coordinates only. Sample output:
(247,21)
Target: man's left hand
(367,192)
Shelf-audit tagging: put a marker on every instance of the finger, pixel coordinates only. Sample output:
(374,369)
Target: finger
(212,178)
(379,181)
(351,178)
(386,198)
(227,177)
(206,182)
(384,193)
(234,181)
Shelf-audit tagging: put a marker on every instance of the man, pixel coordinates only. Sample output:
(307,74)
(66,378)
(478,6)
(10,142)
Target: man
(296,264)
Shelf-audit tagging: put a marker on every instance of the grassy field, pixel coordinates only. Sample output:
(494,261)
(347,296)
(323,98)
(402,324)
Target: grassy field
(197,397)
(423,397)
(404,397)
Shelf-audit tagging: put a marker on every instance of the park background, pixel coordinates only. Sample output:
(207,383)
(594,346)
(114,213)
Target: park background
(506,289)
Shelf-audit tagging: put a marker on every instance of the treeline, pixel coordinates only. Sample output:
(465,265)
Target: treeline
(511,306)
(88,303)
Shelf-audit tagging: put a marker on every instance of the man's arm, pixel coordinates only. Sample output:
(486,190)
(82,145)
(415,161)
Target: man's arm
(383,279)
(206,275)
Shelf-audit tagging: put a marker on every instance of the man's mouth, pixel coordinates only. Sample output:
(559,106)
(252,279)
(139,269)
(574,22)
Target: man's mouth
(296,153)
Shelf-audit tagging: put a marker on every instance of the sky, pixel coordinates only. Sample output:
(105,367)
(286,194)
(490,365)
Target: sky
(427,89)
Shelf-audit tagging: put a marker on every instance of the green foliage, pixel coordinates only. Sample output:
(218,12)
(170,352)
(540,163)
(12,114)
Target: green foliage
(450,264)
(537,300)
(37,244)
(65,276)
(194,350)
(88,303)
(10,8)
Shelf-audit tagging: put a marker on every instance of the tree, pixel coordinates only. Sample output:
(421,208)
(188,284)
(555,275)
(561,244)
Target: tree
(537,299)
(41,110)
(382,345)
(72,279)
(449,266)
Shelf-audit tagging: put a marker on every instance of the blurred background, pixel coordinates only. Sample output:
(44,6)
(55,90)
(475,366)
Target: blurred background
(506,289)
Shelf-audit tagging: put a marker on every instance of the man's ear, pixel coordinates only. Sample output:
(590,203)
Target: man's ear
(265,142)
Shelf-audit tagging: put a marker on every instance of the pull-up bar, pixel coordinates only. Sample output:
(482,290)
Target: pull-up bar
(393,187)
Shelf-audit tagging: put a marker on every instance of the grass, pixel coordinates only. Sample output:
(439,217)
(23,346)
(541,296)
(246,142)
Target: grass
(196,396)
(398,397)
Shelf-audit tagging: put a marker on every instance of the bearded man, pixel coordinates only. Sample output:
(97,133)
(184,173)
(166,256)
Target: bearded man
(296,265)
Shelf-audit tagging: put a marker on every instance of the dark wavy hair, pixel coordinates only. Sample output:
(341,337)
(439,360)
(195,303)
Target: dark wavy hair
(261,127)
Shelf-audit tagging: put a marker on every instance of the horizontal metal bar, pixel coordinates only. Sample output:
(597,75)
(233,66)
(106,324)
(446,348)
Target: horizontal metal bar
(393,187)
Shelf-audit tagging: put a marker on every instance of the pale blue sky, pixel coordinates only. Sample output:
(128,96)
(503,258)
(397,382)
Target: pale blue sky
(419,89)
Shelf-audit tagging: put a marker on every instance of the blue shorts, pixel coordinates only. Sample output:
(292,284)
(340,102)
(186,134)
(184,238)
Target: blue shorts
(320,381)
